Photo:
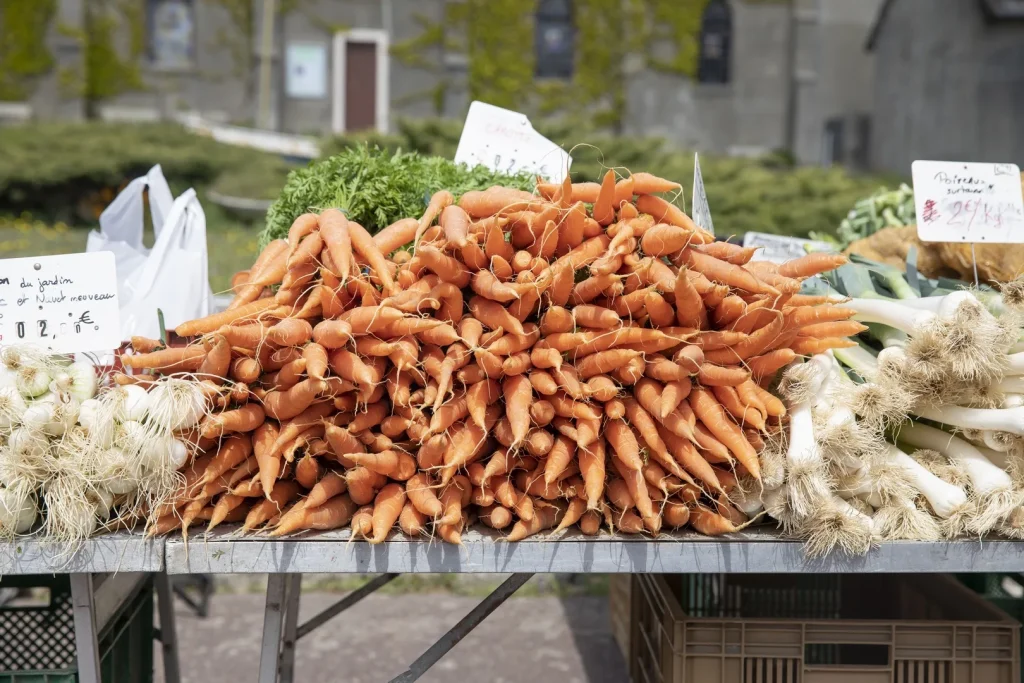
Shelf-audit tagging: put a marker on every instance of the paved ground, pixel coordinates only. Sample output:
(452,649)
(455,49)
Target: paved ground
(533,639)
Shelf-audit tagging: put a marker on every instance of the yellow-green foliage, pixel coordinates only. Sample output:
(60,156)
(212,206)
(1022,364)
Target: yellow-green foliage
(496,37)
(499,42)
(23,53)
(105,71)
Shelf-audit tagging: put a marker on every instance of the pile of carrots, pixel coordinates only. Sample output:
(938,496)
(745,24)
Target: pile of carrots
(585,355)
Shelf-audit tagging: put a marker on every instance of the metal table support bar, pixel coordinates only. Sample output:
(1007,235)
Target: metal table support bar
(293,592)
(273,617)
(83,602)
(343,604)
(168,629)
(462,629)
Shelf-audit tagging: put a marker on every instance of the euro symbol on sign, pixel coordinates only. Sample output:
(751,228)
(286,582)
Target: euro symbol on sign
(84,318)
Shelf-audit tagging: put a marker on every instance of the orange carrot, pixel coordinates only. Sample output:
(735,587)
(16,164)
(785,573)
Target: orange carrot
(398,234)
(811,264)
(387,506)
(604,209)
(214,321)
(333,514)
(284,493)
(244,419)
(645,183)
(545,518)
(718,376)
(714,417)
(809,346)
(842,328)
(768,364)
(165,361)
(664,212)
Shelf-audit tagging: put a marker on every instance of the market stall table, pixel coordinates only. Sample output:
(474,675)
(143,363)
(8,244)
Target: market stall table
(105,572)
(751,551)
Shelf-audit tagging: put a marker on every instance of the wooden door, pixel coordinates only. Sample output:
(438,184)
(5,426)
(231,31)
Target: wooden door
(360,85)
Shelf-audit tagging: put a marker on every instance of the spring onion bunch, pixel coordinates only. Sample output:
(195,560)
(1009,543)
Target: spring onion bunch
(81,458)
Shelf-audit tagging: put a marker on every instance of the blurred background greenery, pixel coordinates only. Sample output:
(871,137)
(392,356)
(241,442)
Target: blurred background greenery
(55,179)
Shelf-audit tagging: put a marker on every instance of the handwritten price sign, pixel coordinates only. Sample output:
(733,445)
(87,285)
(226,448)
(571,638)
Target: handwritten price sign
(66,304)
(968,202)
(505,141)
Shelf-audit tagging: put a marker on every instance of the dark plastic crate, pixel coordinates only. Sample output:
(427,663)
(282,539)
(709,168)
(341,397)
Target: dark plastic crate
(37,643)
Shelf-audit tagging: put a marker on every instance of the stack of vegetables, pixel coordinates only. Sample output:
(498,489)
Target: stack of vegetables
(583,355)
(921,437)
(80,461)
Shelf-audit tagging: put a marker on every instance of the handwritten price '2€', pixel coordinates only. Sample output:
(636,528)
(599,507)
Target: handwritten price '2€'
(969,213)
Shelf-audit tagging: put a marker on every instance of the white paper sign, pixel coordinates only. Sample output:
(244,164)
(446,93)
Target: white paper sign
(306,70)
(505,141)
(968,202)
(63,303)
(701,211)
(781,248)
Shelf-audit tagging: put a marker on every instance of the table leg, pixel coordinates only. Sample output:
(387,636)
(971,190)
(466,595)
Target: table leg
(86,642)
(291,623)
(168,631)
(272,622)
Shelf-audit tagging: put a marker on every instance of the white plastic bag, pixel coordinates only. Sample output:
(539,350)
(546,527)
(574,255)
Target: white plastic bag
(174,275)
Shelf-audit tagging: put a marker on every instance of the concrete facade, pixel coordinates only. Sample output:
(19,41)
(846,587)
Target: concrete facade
(795,66)
(949,85)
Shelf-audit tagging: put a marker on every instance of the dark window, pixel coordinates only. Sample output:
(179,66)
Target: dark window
(715,43)
(554,39)
(833,148)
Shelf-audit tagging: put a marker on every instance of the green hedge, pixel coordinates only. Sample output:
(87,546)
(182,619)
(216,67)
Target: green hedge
(69,171)
(61,171)
(763,195)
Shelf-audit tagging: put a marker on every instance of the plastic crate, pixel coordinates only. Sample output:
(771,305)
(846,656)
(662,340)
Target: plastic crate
(37,643)
(619,610)
(817,629)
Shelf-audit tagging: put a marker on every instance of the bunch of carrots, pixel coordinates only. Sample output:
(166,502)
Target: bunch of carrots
(583,355)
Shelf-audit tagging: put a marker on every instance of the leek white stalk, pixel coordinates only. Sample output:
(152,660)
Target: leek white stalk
(837,525)
(993,419)
(807,477)
(895,314)
(1013,401)
(946,500)
(1012,384)
(903,520)
(991,485)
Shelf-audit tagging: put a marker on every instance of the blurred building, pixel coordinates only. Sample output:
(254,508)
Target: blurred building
(789,75)
(949,85)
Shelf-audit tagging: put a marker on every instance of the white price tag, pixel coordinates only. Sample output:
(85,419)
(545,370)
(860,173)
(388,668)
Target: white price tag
(64,303)
(701,211)
(505,141)
(781,248)
(968,202)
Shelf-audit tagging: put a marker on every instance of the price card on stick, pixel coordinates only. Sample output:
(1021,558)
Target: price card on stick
(505,141)
(968,202)
(781,248)
(65,304)
(701,211)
